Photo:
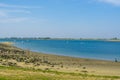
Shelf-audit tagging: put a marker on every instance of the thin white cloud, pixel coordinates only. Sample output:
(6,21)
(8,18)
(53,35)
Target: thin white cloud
(114,2)
(17,6)
(3,14)
(13,20)
(7,13)
(14,11)
(20,11)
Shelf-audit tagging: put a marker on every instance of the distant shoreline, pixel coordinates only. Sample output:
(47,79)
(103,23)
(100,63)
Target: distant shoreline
(114,40)
(48,38)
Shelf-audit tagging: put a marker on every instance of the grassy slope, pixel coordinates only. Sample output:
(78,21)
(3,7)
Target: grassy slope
(13,73)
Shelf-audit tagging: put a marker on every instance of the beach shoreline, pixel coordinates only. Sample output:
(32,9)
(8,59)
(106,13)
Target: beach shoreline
(27,58)
(47,53)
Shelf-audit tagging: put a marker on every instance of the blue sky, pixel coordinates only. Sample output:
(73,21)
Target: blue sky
(60,18)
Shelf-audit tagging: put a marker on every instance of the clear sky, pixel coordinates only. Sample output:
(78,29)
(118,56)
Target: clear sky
(60,18)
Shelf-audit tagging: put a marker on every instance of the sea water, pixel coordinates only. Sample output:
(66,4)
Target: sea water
(95,49)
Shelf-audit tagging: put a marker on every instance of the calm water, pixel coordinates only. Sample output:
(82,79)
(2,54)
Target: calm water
(77,48)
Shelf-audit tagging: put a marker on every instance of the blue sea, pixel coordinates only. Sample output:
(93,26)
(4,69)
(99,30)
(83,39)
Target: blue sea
(94,49)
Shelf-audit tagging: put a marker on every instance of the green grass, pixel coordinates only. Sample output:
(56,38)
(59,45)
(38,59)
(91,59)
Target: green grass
(15,73)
